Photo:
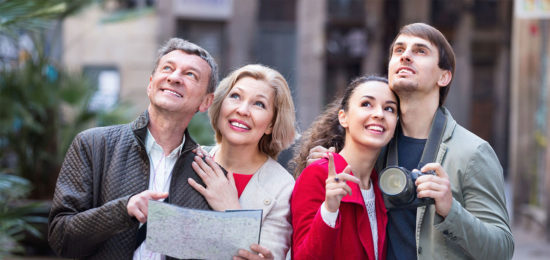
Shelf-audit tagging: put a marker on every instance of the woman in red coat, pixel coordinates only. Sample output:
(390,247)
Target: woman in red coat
(336,206)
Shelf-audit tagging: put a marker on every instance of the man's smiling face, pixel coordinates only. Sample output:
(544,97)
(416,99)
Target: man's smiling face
(179,83)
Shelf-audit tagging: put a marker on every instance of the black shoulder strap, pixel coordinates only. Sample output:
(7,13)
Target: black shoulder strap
(432,144)
(434,139)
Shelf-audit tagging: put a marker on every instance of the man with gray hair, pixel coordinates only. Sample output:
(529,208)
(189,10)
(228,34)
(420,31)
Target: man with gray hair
(110,173)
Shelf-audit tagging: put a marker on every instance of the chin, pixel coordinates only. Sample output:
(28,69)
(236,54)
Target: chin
(376,143)
(403,85)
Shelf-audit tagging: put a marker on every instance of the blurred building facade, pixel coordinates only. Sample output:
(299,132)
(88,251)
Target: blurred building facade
(318,45)
(529,117)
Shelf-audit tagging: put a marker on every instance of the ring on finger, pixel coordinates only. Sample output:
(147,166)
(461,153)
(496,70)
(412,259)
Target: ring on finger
(336,179)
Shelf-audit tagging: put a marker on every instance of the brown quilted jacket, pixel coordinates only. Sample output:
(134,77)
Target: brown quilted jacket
(103,168)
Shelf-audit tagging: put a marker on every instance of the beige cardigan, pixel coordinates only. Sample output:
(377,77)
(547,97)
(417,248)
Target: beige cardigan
(270,189)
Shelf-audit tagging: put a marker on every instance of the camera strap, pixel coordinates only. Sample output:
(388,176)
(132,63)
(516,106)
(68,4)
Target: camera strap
(429,154)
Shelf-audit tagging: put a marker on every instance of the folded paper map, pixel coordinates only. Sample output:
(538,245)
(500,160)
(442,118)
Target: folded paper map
(200,234)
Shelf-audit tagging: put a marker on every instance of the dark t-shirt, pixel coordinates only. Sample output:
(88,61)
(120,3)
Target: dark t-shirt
(402,222)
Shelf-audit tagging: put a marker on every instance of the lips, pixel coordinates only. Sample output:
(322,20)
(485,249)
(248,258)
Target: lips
(376,128)
(240,125)
(405,71)
(172,92)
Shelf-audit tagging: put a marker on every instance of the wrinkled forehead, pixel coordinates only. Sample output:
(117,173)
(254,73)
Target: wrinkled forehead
(183,56)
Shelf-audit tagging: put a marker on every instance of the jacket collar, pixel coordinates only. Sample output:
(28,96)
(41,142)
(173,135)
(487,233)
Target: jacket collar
(450,126)
(139,127)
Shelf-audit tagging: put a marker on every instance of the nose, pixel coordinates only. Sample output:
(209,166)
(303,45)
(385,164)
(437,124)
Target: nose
(378,112)
(406,56)
(174,77)
(243,109)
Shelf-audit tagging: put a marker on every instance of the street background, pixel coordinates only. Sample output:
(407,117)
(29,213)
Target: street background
(66,66)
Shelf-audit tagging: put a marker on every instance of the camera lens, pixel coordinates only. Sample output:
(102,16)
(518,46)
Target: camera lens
(393,181)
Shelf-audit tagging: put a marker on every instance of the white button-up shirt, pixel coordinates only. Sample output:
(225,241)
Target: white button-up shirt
(160,174)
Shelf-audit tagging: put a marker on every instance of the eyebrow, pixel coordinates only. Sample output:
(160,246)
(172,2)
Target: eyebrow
(259,95)
(387,102)
(421,45)
(188,67)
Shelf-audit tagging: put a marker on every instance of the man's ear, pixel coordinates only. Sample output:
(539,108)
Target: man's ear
(149,87)
(342,117)
(206,102)
(445,78)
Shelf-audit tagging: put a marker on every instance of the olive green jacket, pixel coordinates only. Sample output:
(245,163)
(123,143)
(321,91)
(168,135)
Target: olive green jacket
(477,226)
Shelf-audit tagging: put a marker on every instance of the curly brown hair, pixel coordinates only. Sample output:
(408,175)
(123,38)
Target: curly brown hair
(326,130)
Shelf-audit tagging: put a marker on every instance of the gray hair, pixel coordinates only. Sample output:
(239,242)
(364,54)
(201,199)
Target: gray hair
(191,48)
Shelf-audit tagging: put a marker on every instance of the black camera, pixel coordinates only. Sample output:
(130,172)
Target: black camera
(397,185)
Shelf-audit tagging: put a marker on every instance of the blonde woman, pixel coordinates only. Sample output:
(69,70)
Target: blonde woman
(253,117)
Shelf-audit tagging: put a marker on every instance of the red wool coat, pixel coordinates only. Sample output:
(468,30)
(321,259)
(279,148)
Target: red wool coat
(351,238)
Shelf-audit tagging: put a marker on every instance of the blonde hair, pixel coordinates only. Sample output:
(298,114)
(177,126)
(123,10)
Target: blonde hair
(282,135)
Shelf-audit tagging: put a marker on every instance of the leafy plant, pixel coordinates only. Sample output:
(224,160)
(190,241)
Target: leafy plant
(33,15)
(200,129)
(44,107)
(16,217)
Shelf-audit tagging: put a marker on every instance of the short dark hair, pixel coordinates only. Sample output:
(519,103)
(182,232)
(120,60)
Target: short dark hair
(435,37)
(191,48)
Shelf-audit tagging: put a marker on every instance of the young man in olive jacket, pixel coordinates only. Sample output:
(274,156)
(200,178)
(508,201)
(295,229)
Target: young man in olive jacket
(469,218)
(110,173)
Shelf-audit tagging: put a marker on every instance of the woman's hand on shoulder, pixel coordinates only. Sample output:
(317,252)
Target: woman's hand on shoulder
(317,153)
(336,187)
(200,152)
(220,190)
(258,252)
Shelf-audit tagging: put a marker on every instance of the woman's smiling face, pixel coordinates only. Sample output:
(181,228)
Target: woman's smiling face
(247,111)
(371,116)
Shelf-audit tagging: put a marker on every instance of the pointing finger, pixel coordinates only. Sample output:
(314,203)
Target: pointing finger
(331,169)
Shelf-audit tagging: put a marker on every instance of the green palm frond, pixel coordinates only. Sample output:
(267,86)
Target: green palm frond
(34,14)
